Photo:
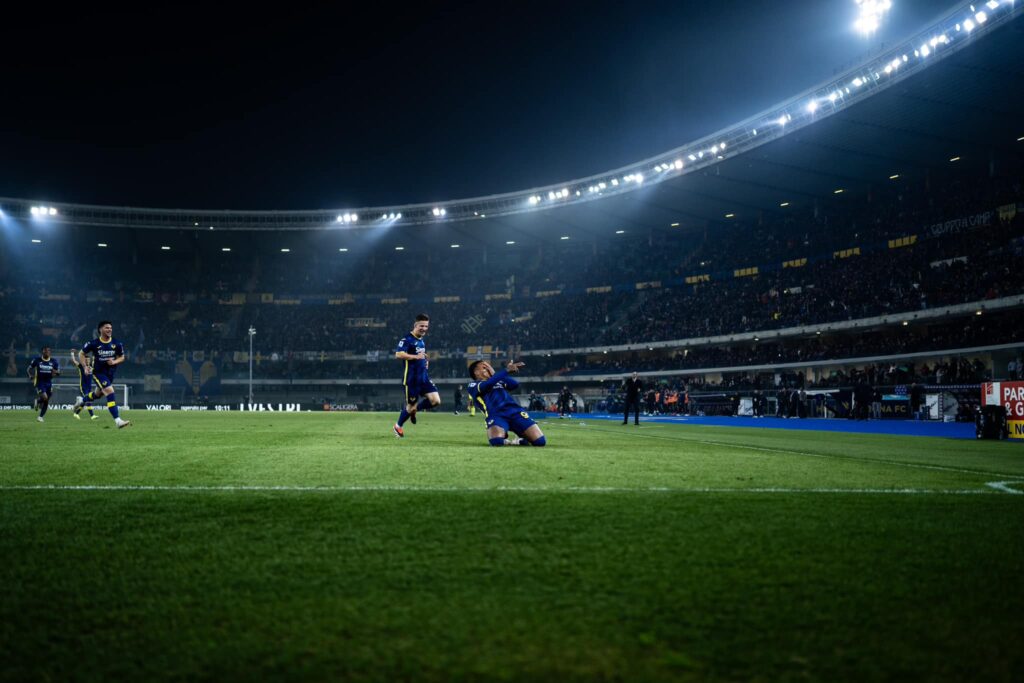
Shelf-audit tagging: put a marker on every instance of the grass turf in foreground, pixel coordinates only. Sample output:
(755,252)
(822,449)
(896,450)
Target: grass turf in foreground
(385,585)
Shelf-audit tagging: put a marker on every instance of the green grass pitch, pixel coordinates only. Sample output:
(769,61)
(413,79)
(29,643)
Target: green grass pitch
(244,546)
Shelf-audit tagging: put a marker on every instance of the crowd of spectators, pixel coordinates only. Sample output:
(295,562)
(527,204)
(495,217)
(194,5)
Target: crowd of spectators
(177,303)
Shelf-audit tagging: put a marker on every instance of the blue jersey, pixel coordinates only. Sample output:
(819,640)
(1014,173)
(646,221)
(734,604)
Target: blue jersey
(492,395)
(102,351)
(415,370)
(43,371)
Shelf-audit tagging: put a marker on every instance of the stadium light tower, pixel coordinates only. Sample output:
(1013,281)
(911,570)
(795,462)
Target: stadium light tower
(252,333)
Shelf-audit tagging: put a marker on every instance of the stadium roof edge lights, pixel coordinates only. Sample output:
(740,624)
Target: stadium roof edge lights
(942,38)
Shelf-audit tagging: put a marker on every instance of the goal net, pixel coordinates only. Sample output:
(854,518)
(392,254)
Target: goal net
(65,395)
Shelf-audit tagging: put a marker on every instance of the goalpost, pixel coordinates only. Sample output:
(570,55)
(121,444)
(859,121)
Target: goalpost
(65,395)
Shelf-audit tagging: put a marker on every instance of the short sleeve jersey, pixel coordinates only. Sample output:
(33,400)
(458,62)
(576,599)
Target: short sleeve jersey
(102,351)
(43,370)
(415,370)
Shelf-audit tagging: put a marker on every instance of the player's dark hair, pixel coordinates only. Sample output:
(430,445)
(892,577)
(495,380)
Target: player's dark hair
(101,323)
(472,368)
(422,317)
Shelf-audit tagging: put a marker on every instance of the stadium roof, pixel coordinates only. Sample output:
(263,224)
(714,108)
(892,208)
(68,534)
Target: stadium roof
(952,92)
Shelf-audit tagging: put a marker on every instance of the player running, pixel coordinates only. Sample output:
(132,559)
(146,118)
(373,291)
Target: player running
(503,414)
(107,354)
(413,351)
(84,387)
(41,370)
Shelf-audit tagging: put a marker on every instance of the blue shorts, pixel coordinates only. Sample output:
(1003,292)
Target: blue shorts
(84,383)
(102,381)
(517,423)
(44,388)
(416,388)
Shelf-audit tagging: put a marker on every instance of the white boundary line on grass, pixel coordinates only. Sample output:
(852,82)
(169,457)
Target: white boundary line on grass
(995,488)
(803,453)
(1007,486)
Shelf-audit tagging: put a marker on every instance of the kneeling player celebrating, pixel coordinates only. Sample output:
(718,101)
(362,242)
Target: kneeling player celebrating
(503,414)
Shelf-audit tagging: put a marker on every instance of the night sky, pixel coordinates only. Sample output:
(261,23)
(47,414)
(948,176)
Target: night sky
(344,108)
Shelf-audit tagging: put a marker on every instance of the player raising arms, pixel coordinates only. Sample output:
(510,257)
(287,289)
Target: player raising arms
(84,387)
(413,351)
(503,414)
(41,371)
(107,354)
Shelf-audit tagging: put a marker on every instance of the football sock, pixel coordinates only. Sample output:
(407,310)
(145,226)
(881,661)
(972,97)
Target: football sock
(43,406)
(539,442)
(424,404)
(497,441)
(404,416)
(112,405)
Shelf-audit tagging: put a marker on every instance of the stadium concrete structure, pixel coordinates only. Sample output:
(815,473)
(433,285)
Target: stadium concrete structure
(949,95)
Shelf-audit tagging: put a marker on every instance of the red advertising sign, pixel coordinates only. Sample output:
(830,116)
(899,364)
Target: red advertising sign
(1010,395)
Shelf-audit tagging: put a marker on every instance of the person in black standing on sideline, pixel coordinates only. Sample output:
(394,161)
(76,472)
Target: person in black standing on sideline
(632,387)
(458,398)
(564,401)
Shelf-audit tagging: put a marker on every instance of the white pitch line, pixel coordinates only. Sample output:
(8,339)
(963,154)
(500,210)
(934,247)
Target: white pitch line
(1007,486)
(806,454)
(993,490)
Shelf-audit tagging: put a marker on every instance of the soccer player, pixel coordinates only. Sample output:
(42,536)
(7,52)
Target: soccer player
(107,354)
(41,371)
(502,413)
(84,387)
(413,351)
